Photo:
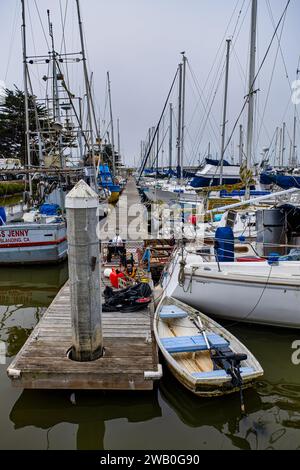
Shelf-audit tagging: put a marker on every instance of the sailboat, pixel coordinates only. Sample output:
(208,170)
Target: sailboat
(265,290)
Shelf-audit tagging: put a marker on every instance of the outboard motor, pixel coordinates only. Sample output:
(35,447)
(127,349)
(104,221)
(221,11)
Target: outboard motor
(224,245)
(2,216)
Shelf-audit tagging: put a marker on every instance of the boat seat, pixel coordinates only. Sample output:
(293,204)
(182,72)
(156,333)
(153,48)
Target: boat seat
(172,311)
(182,344)
(220,374)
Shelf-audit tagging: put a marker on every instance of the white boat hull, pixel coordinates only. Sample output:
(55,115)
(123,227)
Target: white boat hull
(155,195)
(33,243)
(250,299)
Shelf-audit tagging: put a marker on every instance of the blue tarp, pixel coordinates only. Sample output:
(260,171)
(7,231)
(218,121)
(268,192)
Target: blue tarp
(50,209)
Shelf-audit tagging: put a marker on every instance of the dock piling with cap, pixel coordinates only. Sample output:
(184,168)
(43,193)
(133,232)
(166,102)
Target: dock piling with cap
(84,273)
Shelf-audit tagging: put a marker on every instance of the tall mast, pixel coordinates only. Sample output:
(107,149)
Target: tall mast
(88,90)
(283,144)
(171,138)
(250,126)
(183,112)
(241,145)
(25,78)
(276,144)
(56,111)
(179,169)
(228,41)
(119,138)
(294,151)
(55,95)
(157,151)
(280,146)
(112,125)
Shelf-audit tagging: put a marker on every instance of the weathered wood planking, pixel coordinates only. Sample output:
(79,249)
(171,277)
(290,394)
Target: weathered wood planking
(130,349)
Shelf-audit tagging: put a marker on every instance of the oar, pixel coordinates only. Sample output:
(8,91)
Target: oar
(208,345)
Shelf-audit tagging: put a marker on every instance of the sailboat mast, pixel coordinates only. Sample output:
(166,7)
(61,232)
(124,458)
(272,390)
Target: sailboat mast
(294,151)
(179,169)
(228,41)
(250,126)
(171,138)
(119,138)
(88,90)
(283,144)
(112,125)
(184,61)
(241,145)
(25,78)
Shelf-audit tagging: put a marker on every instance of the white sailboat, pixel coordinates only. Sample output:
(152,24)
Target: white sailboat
(253,292)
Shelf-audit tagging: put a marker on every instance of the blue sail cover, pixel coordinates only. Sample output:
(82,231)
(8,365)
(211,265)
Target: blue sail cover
(205,182)
(211,161)
(283,181)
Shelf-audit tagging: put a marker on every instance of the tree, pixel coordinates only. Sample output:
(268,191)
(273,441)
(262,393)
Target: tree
(13,125)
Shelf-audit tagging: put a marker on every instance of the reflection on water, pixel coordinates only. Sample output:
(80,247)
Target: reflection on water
(167,418)
(24,295)
(89,410)
(31,287)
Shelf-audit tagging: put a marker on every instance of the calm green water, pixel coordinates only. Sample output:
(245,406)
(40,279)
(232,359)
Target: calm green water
(168,418)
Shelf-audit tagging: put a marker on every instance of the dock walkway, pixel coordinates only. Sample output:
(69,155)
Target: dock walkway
(130,349)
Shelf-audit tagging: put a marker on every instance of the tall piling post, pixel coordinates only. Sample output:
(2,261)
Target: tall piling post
(84,273)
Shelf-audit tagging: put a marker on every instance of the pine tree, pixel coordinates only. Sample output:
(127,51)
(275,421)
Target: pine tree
(13,125)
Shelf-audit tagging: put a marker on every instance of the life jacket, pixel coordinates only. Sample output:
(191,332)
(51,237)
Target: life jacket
(114,278)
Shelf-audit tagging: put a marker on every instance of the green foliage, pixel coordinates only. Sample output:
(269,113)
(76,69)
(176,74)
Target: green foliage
(13,126)
(9,188)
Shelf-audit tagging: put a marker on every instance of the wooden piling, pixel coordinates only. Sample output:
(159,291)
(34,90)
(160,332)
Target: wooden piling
(84,273)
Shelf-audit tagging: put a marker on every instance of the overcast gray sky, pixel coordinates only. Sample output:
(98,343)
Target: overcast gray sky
(139,42)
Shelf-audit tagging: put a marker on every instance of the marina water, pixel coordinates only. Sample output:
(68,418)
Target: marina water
(167,418)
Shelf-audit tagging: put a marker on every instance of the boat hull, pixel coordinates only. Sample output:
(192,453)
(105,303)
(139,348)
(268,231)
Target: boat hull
(183,364)
(243,300)
(22,244)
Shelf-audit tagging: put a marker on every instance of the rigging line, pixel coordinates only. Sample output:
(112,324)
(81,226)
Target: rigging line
(234,42)
(205,119)
(258,72)
(281,52)
(63,18)
(157,127)
(12,38)
(200,92)
(203,127)
(243,78)
(35,51)
(271,81)
(41,23)
(279,41)
(221,45)
(219,72)
(63,41)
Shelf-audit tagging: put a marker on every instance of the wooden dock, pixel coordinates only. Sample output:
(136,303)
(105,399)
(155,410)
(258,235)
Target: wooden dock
(130,361)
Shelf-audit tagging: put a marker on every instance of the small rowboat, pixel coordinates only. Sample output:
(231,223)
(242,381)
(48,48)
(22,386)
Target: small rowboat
(207,359)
